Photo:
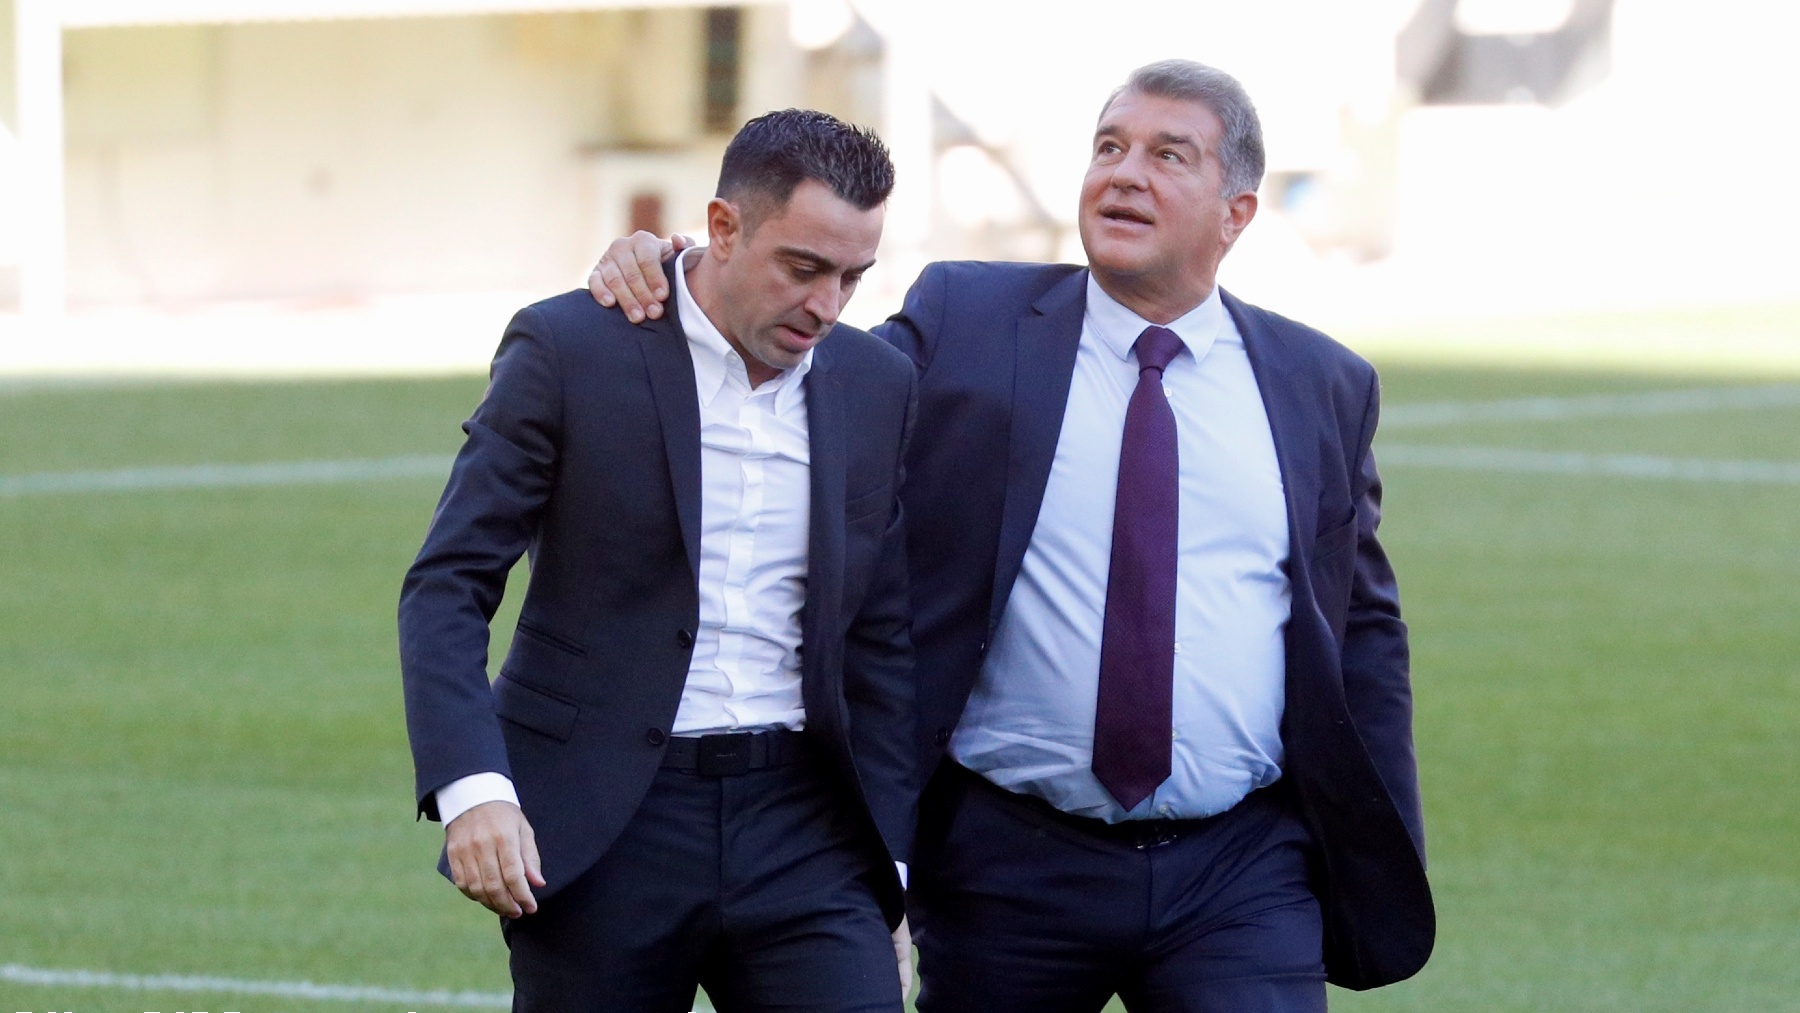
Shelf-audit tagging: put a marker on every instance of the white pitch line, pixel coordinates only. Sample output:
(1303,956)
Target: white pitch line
(225,476)
(1683,469)
(1402,416)
(280,989)
(1533,409)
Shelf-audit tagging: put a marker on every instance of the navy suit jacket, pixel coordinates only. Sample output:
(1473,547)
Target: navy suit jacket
(585,451)
(995,345)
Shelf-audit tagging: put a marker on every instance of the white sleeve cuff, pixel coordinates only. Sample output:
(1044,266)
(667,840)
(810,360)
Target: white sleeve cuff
(902,867)
(465,793)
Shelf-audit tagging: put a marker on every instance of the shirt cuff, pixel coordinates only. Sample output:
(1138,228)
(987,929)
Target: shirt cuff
(465,793)
(901,866)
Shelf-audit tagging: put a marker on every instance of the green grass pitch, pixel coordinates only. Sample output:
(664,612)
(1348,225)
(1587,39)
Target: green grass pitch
(203,767)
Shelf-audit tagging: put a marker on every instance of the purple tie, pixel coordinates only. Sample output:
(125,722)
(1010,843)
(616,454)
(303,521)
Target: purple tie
(1133,717)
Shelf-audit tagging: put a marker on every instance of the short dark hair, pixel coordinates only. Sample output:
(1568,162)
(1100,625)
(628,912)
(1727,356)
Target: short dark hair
(773,153)
(1241,149)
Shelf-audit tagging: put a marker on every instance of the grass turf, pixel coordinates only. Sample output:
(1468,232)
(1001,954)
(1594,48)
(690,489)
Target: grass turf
(203,765)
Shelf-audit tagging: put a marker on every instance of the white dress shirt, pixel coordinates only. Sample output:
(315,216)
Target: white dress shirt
(755,517)
(1029,723)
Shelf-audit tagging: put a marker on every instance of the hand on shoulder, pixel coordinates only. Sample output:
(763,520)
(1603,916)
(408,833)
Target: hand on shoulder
(629,274)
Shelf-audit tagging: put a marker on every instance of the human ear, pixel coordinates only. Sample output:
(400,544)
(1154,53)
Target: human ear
(724,226)
(1239,211)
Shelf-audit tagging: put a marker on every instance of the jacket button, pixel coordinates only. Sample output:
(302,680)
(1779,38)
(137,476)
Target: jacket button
(942,737)
(684,638)
(655,737)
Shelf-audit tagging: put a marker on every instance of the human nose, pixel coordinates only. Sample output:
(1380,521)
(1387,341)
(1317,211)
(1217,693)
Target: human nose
(1129,172)
(825,300)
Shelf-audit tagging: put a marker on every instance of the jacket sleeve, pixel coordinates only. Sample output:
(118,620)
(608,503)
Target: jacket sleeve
(915,329)
(1376,662)
(485,520)
(878,676)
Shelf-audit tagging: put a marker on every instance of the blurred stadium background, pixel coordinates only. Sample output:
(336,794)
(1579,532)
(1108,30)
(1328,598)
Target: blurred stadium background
(255,253)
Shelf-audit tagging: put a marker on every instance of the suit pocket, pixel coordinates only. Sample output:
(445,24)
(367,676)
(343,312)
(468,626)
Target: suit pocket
(533,708)
(1333,542)
(1332,564)
(864,504)
(533,632)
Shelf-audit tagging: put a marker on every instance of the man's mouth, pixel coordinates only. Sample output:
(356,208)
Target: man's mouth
(1123,214)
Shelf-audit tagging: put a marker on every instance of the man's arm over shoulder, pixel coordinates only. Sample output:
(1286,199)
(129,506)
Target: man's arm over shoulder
(484,522)
(1376,659)
(974,294)
(916,327)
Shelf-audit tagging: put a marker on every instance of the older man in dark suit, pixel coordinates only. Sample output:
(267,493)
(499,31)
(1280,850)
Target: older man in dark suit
(696,764)
(1160,647)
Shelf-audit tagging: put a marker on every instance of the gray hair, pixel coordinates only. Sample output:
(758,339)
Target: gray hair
(1241,149)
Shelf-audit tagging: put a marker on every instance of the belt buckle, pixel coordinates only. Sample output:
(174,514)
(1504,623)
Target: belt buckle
(724,755)
(1157,836)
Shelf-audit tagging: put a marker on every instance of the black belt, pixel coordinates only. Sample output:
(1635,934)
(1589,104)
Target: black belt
(734,753)
(1139,834)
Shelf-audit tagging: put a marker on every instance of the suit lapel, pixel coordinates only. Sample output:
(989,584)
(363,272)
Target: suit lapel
(671,370)
(1285,401)
(1044,365)
(825,538)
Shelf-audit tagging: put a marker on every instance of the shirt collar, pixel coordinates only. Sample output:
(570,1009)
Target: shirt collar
(715,360)
(1118,327)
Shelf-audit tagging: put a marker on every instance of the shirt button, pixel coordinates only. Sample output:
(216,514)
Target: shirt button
(655,737)
(1175,735)
(684,638)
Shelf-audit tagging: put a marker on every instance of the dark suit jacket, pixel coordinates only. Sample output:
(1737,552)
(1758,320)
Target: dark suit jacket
(995,348)
(586,452)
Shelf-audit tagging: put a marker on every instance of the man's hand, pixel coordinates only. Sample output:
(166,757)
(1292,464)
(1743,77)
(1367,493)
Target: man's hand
(630,274)
(903,954)
(494,858)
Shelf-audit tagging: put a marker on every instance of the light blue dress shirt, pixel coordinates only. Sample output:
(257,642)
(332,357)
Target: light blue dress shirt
(1029,723)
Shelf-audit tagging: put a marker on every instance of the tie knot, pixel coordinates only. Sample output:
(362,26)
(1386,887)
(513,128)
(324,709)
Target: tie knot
(1156,348)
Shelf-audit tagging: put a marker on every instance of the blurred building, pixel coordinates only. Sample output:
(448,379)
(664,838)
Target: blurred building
(1428,153)
(231,149)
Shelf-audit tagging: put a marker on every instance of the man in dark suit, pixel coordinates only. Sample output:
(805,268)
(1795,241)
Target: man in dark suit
(696,766)
(1159,645)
